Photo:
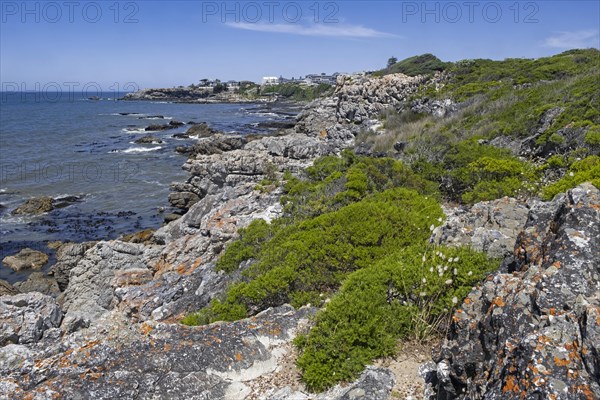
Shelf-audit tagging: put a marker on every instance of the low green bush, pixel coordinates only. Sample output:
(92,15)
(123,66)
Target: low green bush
(309,258)
(404,295)
(586,170)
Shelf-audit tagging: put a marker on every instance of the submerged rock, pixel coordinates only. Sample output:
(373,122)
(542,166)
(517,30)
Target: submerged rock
(532,329)
(39,282)
(26,259)
(200,130)
(35,206)
(148,140)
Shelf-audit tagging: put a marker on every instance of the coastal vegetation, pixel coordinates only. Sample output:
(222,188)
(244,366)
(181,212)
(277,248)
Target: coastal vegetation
(353,237)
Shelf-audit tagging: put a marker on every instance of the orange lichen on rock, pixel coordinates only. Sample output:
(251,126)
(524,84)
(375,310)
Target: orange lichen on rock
(511,385)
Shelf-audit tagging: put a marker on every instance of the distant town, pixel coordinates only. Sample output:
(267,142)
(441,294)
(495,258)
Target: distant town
(308,80)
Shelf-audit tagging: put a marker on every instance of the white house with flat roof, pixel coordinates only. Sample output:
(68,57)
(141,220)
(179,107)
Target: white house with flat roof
(270,80)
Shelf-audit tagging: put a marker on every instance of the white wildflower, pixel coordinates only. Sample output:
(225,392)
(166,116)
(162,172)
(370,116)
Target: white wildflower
(445,268)
(448,282)
(470,273)
(423,258)
(431,269)
(432,227)
(424,280)
(454,300)
(455,259)
(440,219)
(455,271)
(422,294)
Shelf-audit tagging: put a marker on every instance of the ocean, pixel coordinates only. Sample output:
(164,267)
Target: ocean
(60,146)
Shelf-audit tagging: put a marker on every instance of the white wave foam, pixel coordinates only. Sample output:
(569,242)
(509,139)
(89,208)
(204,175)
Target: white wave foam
(134,130)
(140,149)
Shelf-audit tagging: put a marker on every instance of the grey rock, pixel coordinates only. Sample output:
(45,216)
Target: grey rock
(437,108)
(489,226)
(25,317)
(90,292)
(156,360)
(533,327)
(67,257)
(26,259)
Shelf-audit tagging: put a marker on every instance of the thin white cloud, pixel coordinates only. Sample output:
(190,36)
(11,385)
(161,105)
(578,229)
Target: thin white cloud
(337,30)
(576,39)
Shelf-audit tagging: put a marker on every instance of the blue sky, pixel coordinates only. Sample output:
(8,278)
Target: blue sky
(156,43)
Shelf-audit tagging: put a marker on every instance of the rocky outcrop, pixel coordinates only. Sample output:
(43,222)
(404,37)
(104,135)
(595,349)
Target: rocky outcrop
(24,318)
(165,127)
(190,95)
(532,330)
(216,144)
(156,360)
(35,206)
(26,259)
(362,97)
(67,257)
(489,226)
(90,291)
(148,140)
(201,130)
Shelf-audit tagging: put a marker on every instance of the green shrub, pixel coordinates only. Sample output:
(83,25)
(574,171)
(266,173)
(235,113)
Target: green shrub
(248,245)
(424,64)
(333,182)
(402,296)
(315,256)
(492,178)
(586,170)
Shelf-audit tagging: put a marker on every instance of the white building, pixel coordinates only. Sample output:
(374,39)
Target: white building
(270,80)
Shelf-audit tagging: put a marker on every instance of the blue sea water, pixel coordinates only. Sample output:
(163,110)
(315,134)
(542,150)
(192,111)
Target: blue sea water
(81,147)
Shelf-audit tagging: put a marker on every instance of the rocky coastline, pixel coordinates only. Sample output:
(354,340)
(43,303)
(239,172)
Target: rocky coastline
(109,325)
(192,95)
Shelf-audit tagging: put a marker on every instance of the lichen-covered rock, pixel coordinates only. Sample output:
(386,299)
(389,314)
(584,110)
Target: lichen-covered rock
(116,359)
(489,226)
(532,330)
(25,317)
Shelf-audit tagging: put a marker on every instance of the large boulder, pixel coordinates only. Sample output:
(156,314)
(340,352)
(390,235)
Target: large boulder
(25,317)
(26,259)
(532,330)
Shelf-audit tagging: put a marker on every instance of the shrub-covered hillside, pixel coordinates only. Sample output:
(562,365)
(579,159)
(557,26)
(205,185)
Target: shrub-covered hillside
(514,128)
(353,237)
